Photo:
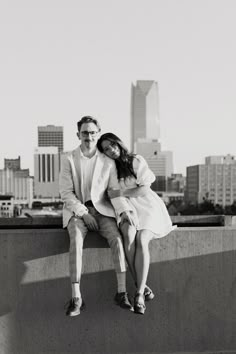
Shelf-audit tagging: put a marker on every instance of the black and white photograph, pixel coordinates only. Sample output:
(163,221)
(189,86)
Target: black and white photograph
(118,176)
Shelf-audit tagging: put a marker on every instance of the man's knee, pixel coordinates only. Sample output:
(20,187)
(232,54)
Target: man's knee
(76,229)
(115,240)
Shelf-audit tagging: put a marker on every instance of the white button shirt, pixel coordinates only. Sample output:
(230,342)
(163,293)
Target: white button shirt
(87,169)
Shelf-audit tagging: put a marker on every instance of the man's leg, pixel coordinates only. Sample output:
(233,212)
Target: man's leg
(77,232)
(109,230)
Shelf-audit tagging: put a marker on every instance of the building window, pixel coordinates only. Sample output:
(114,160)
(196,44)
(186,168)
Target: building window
(39,168)
(53,177)
(48,168)
(43,168)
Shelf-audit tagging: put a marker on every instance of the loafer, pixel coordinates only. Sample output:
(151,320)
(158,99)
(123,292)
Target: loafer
(122,300)
(74,306)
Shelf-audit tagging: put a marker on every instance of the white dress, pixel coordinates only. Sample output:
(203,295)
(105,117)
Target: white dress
(150,210)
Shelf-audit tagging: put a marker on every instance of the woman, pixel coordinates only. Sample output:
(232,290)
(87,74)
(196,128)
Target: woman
(150,218)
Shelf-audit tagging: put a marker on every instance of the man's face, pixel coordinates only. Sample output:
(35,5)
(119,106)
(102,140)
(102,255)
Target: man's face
(89,135)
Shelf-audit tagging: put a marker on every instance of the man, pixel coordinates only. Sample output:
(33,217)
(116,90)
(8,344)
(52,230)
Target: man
(85,176)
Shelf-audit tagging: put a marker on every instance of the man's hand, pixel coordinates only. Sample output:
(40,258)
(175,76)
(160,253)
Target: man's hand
(113,193)
(90,222)
(126,216)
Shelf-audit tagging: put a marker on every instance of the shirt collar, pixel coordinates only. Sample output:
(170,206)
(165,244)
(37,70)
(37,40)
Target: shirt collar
(85,157)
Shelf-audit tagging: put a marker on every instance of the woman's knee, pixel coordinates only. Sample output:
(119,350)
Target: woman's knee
(128,232)
(143,238)
(129,242)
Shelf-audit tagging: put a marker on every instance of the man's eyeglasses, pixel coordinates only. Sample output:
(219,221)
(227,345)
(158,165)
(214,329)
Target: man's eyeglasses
(85,133)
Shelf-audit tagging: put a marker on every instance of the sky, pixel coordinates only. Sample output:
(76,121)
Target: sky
(63,59)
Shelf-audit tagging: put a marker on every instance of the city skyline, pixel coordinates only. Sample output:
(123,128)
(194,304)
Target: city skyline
(60,61)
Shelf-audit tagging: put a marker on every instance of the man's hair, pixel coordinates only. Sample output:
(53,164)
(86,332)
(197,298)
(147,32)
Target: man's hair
(88,119)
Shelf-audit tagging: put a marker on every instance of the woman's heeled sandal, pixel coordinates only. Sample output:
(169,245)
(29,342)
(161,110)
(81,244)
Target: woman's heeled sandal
(148,293)
(139,306)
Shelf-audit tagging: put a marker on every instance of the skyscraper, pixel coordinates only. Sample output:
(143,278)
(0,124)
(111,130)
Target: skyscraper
(46,172)
(145,128)
(51,135)
(47,161)
(145,120)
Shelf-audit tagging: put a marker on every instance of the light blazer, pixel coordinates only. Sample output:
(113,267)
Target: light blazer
(71,186)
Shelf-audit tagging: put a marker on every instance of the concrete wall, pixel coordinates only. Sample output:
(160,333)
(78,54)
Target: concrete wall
(193,273)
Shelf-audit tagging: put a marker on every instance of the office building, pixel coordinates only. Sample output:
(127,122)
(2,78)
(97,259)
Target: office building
(16,182)
(46,172)
(176,183)
(145,120)
(161,163)
(212,181)
(51,135)
(228,159)
(12,164)
(15,165)
(145,130)
(147,147)
(6,206)
(20,187)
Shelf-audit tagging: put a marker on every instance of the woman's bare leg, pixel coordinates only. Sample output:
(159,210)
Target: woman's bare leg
(142,258)
(129,233)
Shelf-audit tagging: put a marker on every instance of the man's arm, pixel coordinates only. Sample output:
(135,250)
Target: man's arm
(67,192)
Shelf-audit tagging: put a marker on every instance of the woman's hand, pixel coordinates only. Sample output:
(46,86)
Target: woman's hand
(113,193)
(128,217)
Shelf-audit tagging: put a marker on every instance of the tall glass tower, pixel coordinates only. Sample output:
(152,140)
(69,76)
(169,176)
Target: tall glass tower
(145,119)
(145,128)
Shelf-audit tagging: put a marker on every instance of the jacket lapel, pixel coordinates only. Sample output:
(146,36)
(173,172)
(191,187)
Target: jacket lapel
(79,187)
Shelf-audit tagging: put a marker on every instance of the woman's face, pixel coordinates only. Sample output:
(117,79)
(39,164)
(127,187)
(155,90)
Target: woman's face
(110,149)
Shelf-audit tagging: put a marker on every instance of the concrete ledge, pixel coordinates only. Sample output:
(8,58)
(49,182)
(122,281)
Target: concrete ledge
(49,221)
(192,272)
(203,220)
(31,222)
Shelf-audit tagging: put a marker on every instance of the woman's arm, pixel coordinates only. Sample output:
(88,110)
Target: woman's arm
(129,193)
(136,192)
(144,174)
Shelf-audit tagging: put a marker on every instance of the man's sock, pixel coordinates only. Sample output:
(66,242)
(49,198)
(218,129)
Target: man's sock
(121,282)
(75,290)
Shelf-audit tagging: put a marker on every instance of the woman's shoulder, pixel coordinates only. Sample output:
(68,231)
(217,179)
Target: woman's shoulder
(139,159)
(107,160)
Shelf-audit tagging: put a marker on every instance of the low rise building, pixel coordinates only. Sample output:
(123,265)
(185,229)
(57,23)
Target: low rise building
(212,181)
(17,185)
(6,206)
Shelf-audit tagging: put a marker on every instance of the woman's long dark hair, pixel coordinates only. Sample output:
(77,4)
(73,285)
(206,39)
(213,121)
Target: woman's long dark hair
(124,164)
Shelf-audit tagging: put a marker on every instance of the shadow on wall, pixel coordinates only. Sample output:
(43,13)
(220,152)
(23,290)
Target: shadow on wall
(26,255)
(194,310)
